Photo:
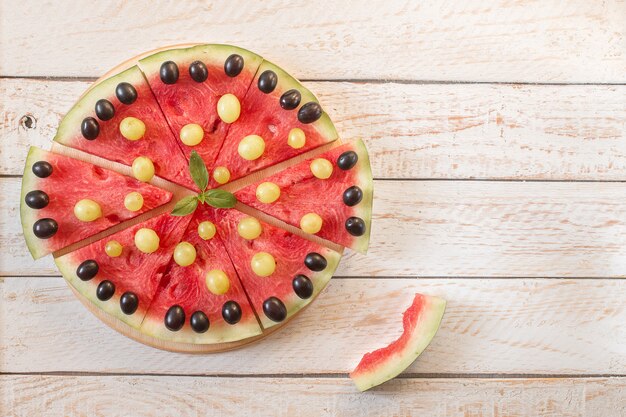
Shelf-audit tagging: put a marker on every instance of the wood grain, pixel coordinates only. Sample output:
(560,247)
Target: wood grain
(449,228)
(488,131)
(531,41)
(491,326)
(315,397)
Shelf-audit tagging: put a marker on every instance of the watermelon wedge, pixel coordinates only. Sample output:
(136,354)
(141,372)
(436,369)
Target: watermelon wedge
(52,187)
(189,82)
(347,195)
(94,125)
(281,272)
(275,105)
(420,321)
(187,309)
(124,283)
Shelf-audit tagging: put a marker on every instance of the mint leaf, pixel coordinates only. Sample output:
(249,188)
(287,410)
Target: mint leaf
(220,199)
(185,206)
(198,171)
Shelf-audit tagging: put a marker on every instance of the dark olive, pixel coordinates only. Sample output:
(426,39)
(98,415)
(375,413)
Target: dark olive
(169,72)
(45,228)
(36,199)
(310,112)
(355,226)
(290,99)
(274,309)
(267,81)
(175,318)
(129,302)
(199,322)
(104,110)
(87,270)
(302,286)
(126,93)
(90,128)
(42,169)
(347,160)
(315,262)
(198,72)
(231,312)
(105,290)
(233,65)
(352,196)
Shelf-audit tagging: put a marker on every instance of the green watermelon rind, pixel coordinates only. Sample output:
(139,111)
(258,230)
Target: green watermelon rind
(423,334)
(67,266)
(320,281)
(69,128)
(364,208)
(214,53)
(29,216)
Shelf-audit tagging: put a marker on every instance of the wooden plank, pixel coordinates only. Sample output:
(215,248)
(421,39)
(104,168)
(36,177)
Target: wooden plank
(550,41)
(412,131)
(449,228)
(26,395)
(491,326)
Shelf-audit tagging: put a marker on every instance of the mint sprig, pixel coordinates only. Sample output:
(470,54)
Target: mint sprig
(214,198)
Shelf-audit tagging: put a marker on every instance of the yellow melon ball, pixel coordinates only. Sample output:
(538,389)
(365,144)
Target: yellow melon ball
(221,175)
(132,128)
(263,264)
(296,138)
(251,147)
(133,201)
(311,223)
(113,248)
(184,254)
(191,134)
(87,210)
(228,108)
(143,169)
(267,192)
(146,240)
(249,228)
(322,168)
(217,282)
(206,230)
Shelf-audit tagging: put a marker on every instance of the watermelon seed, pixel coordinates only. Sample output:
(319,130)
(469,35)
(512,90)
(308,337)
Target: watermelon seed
(267,81)
(275,309)
(290,99)
(90,128)
(199,322)
(198,71)
(355,226)
(87,270)
(310,112)
(36,199)
(175,318)
(105,290)
(129,303)
(126,93)
(302,286)
(233,65)
(231,312)
(45,228)
(352,196)
(169,72)
(315,262)
(42,169)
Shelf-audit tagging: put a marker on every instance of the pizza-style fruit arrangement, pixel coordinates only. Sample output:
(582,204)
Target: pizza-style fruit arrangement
(137,201)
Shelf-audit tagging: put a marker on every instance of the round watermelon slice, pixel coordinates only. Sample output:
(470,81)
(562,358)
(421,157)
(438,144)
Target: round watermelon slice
(53,184)
(347,195)
(420,321)
(188,84)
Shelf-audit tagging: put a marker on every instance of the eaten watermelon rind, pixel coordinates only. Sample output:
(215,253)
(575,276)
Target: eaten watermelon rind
(27,215)
(364,208)
(394,363)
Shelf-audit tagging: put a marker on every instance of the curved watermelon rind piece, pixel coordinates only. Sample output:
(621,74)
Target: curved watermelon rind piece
(364,209)
(385,364)
(27,215)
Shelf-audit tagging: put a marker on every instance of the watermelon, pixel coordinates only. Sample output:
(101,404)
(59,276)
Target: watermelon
(52,186)
(420,321)
(275,104)
(123,285)
(93,126)
(299,268)
(188,84)
(185,309)
(347,195)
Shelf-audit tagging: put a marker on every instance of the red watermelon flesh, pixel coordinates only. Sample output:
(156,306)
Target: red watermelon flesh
(262,114)
(133,271)
(186,287)
(301,193)
(188,101)
(289,252)
(68,182)
(420,321)
(158,144)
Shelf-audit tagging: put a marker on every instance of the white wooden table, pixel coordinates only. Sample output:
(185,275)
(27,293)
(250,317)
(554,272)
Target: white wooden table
(498,144)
